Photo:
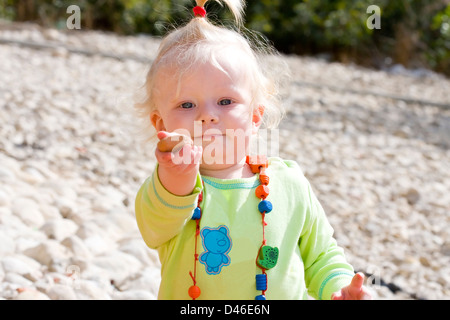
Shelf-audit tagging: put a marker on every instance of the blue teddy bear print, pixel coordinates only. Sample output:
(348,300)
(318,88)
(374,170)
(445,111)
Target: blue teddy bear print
(217,244)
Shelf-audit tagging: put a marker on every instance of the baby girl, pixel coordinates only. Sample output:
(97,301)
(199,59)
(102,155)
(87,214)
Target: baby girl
(227,224)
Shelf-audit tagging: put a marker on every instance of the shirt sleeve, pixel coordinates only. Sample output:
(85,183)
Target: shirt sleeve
(326,269)
(161,215)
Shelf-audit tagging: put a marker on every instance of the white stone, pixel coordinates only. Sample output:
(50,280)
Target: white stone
(2,274)
(61,292)
(7,244)
(125,221)
(133,295)
(147,279)
(31,294)
(59,229)
(48,253)
(16,265)
(118,265)
(65,206)
(98,245)
(18,280)
(28,211)
(138,248)
(6,174)
(4,199)
(77,247)
(49,212)
(90,290)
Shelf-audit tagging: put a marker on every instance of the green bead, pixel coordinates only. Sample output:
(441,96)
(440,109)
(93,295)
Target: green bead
(268,257)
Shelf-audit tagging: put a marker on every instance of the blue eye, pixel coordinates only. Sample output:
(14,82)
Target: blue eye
(187,105)
(225,102)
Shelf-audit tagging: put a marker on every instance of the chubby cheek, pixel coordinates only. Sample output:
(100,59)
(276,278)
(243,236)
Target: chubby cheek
(180,124)
(242,122)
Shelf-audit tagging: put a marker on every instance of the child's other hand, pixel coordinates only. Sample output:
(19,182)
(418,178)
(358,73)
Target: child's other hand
(179,161)
(354,291)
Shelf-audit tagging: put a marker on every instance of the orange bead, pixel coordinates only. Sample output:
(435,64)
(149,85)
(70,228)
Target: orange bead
(257,162)
(264,178)
(194,292)
(262,191)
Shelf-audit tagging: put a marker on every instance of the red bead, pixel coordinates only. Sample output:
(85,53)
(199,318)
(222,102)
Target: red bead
(262,191)
(194,292)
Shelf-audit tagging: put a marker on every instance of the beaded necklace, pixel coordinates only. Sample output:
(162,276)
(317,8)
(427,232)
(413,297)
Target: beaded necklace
(267,256)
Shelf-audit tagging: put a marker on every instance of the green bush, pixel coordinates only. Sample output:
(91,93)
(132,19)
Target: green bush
(413,32)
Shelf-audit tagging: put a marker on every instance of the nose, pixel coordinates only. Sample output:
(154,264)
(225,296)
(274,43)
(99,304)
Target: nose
(208,114)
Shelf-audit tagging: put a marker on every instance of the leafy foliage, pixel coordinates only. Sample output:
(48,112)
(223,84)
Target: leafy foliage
(413,32)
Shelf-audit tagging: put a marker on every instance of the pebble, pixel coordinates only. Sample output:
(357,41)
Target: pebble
(71,164)
(59,229)
(61,292)
(28,294)
(27,210)
(47,253)
(77,247)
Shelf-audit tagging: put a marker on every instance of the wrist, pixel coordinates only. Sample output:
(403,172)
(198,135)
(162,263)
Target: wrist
(177,183)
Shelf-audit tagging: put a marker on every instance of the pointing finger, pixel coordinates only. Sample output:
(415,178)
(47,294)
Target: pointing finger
(162,134)
(358,280)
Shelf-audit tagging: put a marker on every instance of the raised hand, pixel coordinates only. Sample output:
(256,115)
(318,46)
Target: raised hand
(179,161)
(354,291)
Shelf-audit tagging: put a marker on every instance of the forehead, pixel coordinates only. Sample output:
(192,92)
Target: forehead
(227,61)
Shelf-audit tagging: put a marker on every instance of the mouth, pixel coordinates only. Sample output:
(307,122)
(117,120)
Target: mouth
(208,137)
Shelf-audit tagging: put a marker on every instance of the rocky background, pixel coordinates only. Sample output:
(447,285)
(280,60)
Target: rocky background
(374,144)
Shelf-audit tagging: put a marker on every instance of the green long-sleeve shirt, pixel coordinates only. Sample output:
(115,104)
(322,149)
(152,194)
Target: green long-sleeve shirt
(309,259)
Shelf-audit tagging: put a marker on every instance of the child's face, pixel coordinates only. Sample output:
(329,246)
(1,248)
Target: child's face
(212,106)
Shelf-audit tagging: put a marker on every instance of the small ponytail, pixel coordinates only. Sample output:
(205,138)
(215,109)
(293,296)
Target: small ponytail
(235,6)
(201,3)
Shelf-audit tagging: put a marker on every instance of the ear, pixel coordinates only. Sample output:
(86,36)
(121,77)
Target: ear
(257,118)
(224,230)
(205,232)
(156,121)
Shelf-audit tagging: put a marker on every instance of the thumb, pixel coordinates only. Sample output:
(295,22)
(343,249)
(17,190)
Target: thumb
(358,280)
(162,134)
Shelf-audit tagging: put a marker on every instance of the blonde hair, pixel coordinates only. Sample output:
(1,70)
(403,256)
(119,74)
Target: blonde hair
(198,42)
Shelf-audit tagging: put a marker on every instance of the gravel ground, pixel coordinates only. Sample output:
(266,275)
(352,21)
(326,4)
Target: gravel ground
(374,144)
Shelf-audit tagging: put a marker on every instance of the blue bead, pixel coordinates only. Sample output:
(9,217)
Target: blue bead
(261,282)
(197,214)
(260,297)
(265,206)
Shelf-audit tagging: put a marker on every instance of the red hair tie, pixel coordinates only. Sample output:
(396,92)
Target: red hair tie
(199,11)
